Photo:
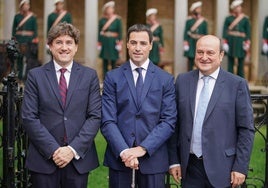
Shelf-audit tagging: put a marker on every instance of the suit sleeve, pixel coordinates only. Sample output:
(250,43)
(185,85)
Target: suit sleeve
(109,126)
(90,128)
(173,146)
(245,129)
(168,112)
(37,133)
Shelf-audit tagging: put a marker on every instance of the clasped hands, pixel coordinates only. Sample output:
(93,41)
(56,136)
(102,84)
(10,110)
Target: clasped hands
(130,156)
(62,156)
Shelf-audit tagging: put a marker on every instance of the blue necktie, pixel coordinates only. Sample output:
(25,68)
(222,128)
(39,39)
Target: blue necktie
(139,85)
(200,115)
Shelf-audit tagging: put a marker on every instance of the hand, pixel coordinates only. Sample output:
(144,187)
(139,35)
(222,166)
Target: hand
(130,155)
(62,156)
(246,45)
(176,173)
(133,164)
(237,179)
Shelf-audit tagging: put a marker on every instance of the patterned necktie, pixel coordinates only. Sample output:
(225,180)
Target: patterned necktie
(63,86)
(200,115)
(139,85)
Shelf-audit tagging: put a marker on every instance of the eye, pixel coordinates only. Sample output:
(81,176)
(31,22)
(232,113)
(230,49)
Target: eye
(200,52)
(210,53)
(143,43)
(133,43)
(58,42)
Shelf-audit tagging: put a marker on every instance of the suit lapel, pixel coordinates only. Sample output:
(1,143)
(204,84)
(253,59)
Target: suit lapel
(51,76)
(148,80)
(218,88)
(192,92)
(129,77)
(73,83)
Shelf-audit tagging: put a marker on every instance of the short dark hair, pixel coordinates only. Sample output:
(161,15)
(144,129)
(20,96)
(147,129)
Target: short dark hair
(140,28)
(63,28)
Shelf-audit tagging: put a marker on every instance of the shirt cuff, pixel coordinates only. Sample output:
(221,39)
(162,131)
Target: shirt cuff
(174,165)
(121,153)
(76,156)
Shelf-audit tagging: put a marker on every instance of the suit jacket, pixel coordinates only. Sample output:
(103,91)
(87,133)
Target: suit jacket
(228,129)
(44,117)
(125,124)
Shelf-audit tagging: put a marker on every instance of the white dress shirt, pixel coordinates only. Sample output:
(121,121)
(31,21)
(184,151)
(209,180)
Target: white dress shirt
(67,76)
(200,84)
(144,67)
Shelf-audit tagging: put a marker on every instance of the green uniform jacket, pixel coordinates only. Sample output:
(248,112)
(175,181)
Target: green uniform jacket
(53,16)
(29,25)
(108,50)
(155,53)
(202,29)
(236,42)
(265,29)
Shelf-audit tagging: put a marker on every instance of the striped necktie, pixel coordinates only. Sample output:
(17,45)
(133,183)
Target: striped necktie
(63,86)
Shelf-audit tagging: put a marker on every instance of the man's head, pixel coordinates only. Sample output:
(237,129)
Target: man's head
(108,8)
(25,5)
(63,42)
(196,8)
(59,5)
(208,54)
(236,6)
(139,43)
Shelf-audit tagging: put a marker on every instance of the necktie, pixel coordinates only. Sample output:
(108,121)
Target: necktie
(139,85)
(200,115)
(63,86)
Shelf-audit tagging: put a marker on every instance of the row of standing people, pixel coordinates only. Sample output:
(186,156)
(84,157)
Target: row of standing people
(236,34)
(201,128)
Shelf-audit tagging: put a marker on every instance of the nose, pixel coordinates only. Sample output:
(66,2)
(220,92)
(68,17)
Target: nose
(138,47)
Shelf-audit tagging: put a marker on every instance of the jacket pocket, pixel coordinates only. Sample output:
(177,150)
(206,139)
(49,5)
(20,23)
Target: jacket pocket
(229,152)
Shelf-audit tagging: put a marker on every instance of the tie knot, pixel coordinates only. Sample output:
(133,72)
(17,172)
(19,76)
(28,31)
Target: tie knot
(63,70)
(206,79)
(139,70)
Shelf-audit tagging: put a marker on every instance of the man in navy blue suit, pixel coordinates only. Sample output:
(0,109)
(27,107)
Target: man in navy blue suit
(61,114)
(138,116)
(212,151)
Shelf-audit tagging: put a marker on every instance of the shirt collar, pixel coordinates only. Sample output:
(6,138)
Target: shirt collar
(144,65)
(58,67)
(214,75)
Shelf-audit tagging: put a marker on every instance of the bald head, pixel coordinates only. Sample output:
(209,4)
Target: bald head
(208,54)
(212,39)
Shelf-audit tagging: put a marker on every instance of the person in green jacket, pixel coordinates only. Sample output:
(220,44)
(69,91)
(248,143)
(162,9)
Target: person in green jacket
(265,37)
(158,42)
(24,30)
(236,37)
(58,15)
(196,26)
(109,36)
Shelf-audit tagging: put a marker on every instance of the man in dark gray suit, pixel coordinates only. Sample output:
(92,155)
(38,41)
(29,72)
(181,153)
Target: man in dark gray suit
(61,114)
(214,136)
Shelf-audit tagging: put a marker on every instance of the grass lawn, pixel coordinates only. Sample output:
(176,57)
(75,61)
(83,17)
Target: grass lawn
(99,177)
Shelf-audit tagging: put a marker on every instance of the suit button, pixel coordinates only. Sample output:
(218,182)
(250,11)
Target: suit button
(65,118)
(138,116)
(132,134)
(188,140)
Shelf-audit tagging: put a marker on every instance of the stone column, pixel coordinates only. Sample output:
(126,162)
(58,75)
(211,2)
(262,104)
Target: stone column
(9,11)
(91,29)
(48,8)
(181,13)
(222,11)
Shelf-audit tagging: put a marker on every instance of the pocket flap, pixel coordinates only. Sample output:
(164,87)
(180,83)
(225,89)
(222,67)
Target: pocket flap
(230,152)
